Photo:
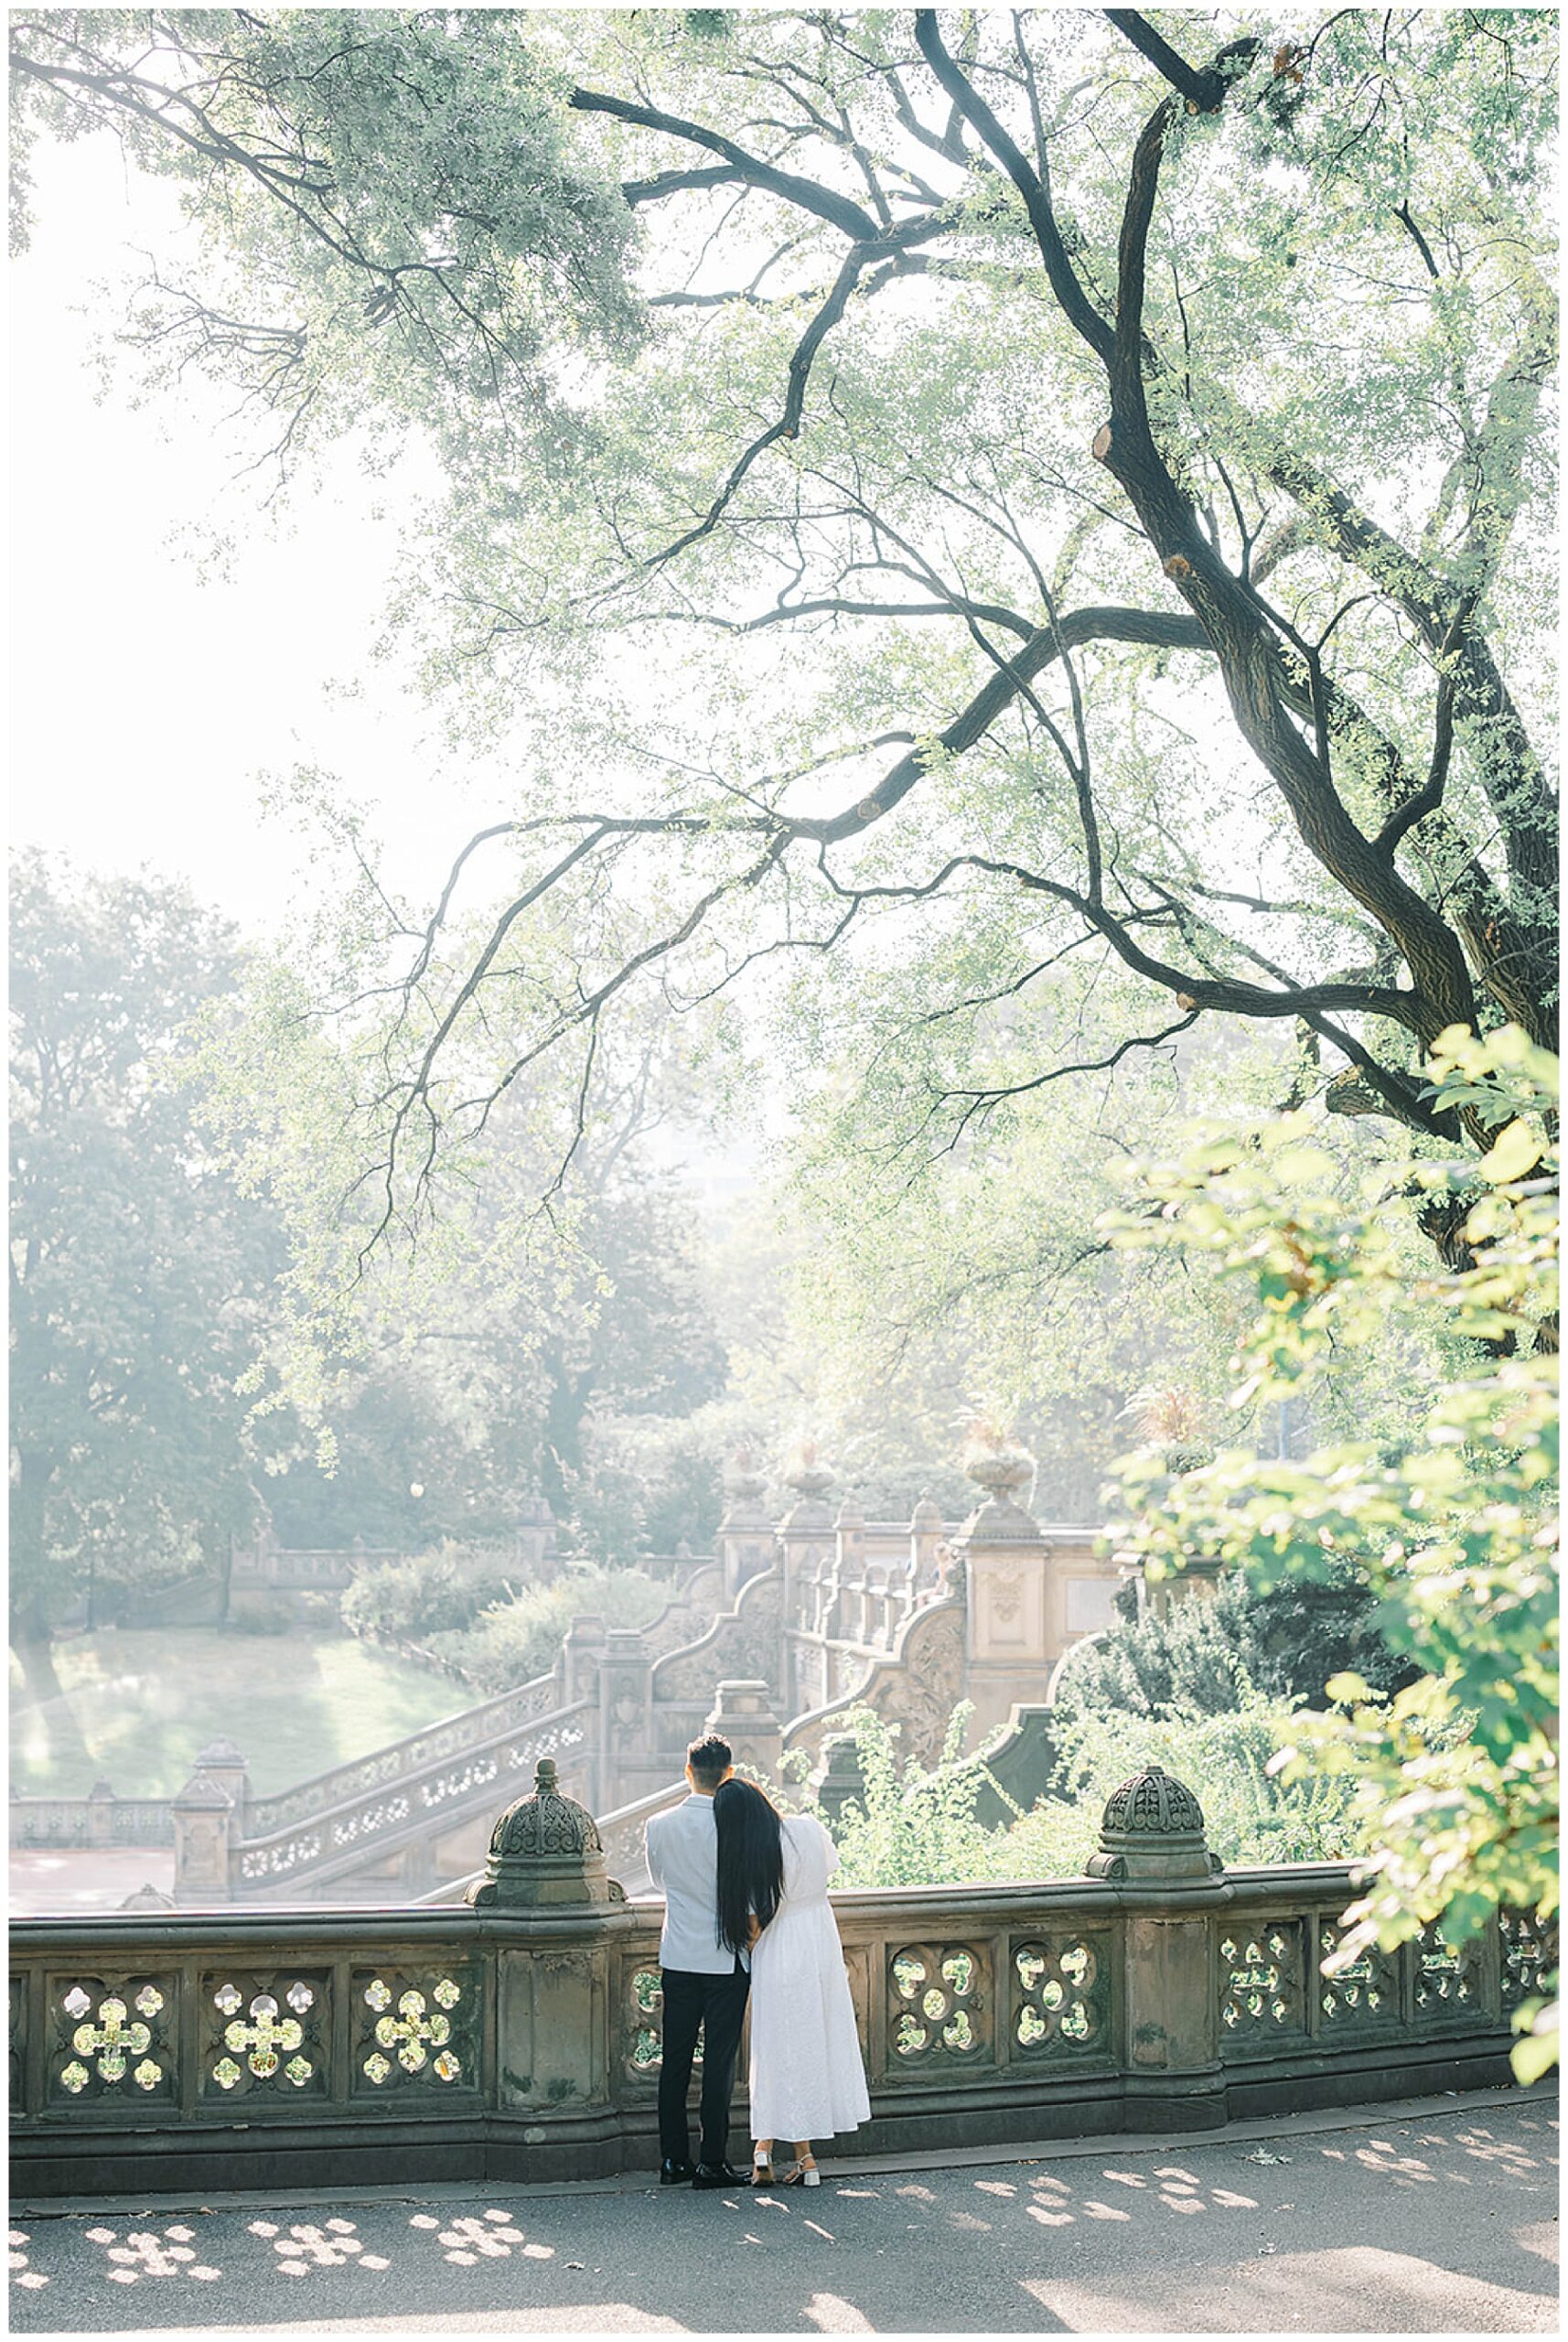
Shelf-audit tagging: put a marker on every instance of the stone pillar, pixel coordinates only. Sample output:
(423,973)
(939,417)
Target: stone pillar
(846,1617)
(1152,1848)
(222,1762)
(745,1533)
(1196,1581)
(626,1725)
(743,1715)
(925,1531)
(838,1779)
(873,1606)
(1007,1654)
(101,1803)
(582,1650)
(805,1533)
(557,2019)
(203,1843)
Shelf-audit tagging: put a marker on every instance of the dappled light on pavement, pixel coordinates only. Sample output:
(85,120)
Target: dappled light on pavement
(1435,2225)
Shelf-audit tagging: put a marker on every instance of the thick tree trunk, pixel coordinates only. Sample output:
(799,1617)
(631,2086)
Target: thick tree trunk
(43,1694)
(565,1410)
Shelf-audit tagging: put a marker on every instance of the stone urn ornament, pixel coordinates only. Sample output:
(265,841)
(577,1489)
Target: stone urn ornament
(745,1483)
(994,1462)
(544,1852)
(807,1474)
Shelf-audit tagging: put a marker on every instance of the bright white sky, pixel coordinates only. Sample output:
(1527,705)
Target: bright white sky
(148,697)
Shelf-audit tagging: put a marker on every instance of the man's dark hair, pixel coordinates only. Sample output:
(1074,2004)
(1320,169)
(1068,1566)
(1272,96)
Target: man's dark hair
(710,1757)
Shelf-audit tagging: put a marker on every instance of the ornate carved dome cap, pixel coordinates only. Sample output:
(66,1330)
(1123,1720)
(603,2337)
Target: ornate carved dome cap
(1152,1804)
(544,1848)
(1153,1828)
(545,1824)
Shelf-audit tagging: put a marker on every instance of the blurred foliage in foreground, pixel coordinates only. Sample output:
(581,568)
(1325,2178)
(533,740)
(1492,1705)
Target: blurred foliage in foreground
(1455,1775)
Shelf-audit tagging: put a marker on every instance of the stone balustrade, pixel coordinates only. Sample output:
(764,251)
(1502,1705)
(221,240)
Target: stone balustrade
(382,1822)
(433,1744)
(518,2038)
(819,1613)
(101,1819)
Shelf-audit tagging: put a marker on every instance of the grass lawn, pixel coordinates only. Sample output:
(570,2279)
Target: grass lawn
(145,1702)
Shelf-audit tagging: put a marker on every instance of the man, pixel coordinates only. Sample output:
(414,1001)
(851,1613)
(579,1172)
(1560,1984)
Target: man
(704,1982)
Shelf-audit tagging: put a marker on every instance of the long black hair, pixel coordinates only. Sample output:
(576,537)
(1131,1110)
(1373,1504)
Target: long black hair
(751,1861)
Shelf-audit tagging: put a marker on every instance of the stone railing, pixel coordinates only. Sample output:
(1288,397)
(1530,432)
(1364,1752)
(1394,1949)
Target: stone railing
(686,1615)
(744,1640)
(917,1686)
(246,2049)
(384,1817)
(102,1820)
(399,1760)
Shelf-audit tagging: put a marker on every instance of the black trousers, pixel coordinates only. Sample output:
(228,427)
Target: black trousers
(717,2003)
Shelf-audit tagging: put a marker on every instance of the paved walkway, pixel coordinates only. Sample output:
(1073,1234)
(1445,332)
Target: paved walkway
(1439,2216)
(46,1881)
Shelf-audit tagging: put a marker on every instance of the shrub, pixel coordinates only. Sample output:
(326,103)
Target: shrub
(914,1827)
(318,1611)
(1251,1815)
(1208,1653)
(430,1593)
(917,1827)
(1457,1773)
(513,1640)
(260,1614)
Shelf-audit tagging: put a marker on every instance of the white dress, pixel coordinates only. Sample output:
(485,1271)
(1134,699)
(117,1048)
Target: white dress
(807,2079)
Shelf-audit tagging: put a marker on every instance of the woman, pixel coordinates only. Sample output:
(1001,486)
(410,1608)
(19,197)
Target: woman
(806,2080)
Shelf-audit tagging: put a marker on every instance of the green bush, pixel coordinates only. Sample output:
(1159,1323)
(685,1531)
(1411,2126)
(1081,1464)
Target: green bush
(430,1593)
(1208,1653)
(914,1827)
(917,1827)
(319,1612)
(1251,1815)
(513,1640)
(260,1614)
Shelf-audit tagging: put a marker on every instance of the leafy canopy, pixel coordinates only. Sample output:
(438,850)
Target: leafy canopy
(1022,451)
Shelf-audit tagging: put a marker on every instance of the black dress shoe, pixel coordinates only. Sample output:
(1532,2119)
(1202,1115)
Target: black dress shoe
(718,2175)
(676,2175)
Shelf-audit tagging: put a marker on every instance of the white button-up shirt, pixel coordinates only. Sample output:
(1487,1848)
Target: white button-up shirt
(681,1846)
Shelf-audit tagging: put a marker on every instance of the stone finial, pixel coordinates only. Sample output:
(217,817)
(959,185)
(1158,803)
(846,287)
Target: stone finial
(926,1515)
(1153,1828)
(807,1474)
(544,1850)
(219,1753)
(745,1484)
(851,1512)
(149,1897)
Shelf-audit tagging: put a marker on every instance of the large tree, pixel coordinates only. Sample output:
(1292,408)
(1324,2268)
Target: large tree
(140,1279)
(1071,473)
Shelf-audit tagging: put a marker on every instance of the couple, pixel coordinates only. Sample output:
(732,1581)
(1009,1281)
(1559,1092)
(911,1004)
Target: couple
(745,1909)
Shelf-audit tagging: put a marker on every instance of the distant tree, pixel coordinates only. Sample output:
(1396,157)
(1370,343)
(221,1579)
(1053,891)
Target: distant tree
(141,1281)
